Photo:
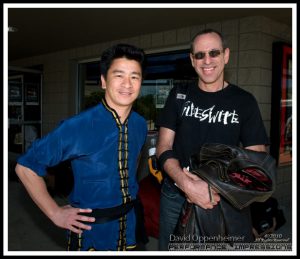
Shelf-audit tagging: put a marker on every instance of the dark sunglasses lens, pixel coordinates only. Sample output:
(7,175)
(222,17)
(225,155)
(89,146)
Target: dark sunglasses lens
(199,55)
(214,53)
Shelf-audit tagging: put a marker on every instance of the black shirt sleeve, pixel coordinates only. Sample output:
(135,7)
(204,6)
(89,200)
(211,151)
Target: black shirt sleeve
(253,130)
(169,114)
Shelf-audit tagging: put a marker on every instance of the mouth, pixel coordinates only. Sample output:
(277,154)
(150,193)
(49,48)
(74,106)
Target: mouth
(125,93)
(208,70)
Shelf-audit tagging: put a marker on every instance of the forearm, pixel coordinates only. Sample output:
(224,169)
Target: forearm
(167,159)
(67,216)
(195,189)
(37,189)
(258,148)
(173,169)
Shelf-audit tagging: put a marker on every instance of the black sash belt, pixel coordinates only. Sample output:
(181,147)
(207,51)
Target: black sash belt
(108,214)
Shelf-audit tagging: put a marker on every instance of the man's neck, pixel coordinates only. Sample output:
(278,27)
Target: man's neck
(214,87)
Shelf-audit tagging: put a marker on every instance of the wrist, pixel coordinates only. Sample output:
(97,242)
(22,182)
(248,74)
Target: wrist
(164,156)
(183,182)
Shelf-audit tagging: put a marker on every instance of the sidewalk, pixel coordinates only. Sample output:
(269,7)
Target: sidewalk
(30,230)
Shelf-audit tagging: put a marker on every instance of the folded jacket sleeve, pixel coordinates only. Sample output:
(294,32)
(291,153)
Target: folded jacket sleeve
(57,146)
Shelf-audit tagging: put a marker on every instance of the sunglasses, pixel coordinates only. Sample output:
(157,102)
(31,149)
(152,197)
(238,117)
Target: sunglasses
(212,53)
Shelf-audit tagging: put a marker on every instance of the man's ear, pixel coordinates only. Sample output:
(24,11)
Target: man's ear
(103,82)
(192,59)
(226,55)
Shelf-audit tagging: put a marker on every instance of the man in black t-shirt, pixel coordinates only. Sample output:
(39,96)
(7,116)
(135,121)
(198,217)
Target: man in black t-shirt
(212,111)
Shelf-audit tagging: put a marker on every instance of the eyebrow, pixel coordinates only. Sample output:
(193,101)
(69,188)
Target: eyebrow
(123,72)
(117,71)
(203,51)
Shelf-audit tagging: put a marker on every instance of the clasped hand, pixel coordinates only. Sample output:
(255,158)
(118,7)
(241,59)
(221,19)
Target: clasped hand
(199,192)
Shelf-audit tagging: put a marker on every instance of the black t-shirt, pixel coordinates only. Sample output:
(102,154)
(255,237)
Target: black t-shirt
(230,116)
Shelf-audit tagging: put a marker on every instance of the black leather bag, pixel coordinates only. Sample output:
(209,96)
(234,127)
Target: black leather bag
(241,177)
(222,224)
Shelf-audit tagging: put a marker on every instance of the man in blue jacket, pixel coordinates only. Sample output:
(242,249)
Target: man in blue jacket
(103,144)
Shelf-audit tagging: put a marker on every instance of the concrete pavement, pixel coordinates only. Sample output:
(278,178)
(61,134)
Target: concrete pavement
(30,230)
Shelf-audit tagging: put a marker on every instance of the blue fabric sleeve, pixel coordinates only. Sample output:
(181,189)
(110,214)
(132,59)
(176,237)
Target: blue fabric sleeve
(50,150)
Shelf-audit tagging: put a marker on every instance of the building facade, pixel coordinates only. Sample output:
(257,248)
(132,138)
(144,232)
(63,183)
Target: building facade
(250,40)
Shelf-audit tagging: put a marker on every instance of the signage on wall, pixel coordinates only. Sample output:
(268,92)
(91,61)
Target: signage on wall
(281,117)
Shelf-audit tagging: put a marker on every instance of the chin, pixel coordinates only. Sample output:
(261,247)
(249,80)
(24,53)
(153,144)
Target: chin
(126,102)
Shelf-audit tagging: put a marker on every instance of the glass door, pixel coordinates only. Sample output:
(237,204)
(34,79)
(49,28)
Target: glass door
(24,109)
(15,114)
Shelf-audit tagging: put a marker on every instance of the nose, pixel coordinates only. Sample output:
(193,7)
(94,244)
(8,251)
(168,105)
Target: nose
(206,58)
(127,81)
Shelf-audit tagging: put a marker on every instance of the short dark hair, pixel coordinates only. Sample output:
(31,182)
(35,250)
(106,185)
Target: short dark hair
(119,51)
(206,31)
